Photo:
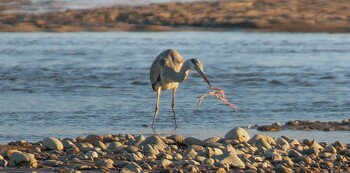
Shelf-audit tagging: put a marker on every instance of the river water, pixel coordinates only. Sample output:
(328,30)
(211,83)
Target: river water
(70,84)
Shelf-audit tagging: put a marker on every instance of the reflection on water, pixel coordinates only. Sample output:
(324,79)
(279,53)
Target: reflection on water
(70,84)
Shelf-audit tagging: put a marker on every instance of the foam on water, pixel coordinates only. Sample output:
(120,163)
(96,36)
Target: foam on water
(70,84)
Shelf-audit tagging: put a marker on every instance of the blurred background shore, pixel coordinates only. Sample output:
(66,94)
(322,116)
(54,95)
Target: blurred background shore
(169,15)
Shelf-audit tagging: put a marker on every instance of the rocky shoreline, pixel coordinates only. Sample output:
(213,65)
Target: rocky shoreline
(253,15)
(306,125)
(236,152)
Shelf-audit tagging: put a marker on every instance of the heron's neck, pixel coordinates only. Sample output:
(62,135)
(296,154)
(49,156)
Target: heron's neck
(182,74)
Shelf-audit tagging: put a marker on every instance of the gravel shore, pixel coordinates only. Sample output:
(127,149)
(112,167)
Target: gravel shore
(256,15)
(235,152)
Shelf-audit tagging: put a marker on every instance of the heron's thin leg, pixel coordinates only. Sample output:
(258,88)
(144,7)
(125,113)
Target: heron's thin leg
(173,106)
(157,106)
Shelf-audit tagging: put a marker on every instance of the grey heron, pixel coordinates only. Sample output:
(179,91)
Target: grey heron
(167,71)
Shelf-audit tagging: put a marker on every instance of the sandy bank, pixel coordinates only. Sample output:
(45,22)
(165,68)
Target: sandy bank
(257,15)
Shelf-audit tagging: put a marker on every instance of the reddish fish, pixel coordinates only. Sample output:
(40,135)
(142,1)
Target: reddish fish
(220,94)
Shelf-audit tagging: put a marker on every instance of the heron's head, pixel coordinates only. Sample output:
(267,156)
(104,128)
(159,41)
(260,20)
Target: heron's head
(197,66)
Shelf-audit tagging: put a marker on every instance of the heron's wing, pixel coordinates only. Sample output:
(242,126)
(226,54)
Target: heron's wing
(169,59)
(155,72)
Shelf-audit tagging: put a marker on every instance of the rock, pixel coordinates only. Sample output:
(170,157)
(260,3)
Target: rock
(230,158)
(67,144)
(191,153)
(148,150)
(84,146)
(164,163)
(238,133)
(155,141)
(100,144)
(104,163)
(193,141)
(133,167)
(330,149)
(115,147)
(3,162)
(262,143)
(93,137)
(284,169)
(178,138)
(177,156)
(208,161)
(282,142)
(294,153)
(314,144)
(229,148)
(138,140)
(53,143)
(220,170)
(309,151)
(266,138)
(273,127)
(133,157)
(52,163)
(92,154)
(23,159)
(212,140)
(339,145)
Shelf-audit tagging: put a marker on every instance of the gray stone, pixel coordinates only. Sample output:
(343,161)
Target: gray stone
(177,138)
(330,149)
(104,163)
(53,143)
(148,150)
(294,153)
(115,147)
(238,133)
(193,141)
(212,140)
(133,157)
(311,150)
(314,144)
(262,143)
(266,138)
(208,161)
(3,162)
(101,145)
(67,144)
(133,167)
(84,146)
(92,154)
(230,158)
(164,163)
(191,153)
(23,159)
(155,141)
(52,163)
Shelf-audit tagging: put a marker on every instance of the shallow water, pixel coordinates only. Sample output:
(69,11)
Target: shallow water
(70,84)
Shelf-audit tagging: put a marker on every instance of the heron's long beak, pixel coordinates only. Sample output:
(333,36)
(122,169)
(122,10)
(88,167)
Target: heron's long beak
(204,76)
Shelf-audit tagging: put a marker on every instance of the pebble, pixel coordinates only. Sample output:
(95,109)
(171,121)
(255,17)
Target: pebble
(238,133)
(133,167)
(164,163)
(52,163)
(92,154)
(193,141)
(53,143)
(261,153)
(23,159)
(230,158)
(106,163)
